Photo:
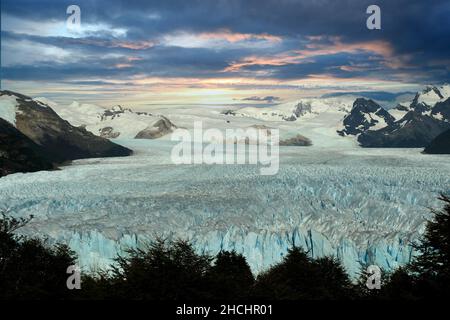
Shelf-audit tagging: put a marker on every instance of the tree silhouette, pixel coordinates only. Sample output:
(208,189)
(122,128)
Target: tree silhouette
(431,267)
(298,277)
(29,269)
(398,286)
(428,275)
(230,277)
(165,271)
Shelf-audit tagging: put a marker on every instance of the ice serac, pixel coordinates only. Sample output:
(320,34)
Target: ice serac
(261,250)
(365,206)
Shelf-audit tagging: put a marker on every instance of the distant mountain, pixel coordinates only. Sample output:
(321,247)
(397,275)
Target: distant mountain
(414,130)
(303,109)
(297,141)
(440,144)
(399,111)
(431,101)
(116,122)
(414,125)
(441,110)
(18,153)
(365,115)
(425,100)
(56,138)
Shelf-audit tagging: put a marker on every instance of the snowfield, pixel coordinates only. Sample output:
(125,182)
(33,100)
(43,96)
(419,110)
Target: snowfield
(431,95)
(361,205)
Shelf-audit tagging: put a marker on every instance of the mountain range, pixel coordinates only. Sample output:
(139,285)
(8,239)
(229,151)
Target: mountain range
(405,126)
(37,134)
(412,124)
(116,122)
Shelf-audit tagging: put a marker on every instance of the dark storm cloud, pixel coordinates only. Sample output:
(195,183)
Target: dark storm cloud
(417,32)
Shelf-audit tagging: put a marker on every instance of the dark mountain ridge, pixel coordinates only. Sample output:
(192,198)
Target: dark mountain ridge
(54,140)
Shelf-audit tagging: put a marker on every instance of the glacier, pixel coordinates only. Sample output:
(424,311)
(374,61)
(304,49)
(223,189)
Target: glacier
(363,206)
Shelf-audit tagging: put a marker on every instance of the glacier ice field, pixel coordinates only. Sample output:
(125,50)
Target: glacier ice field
(363,206)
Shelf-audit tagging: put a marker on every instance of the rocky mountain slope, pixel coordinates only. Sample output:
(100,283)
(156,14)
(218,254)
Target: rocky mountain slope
(365,115)
(440,144)
(18,153)
(414,130)
(56,138)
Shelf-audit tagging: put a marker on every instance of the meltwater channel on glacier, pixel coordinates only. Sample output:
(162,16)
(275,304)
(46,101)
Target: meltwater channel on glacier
(363,206)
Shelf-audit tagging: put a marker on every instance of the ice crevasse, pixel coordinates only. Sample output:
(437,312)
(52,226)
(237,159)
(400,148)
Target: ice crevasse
(362,209)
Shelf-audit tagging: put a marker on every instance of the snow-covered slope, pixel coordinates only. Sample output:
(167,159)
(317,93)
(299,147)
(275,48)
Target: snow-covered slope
(18,153)
(432,95)
(298,110)
(320,127)
(424,102)
(79,114)
(115,122)
(399,111)
(126,124)
(8,108)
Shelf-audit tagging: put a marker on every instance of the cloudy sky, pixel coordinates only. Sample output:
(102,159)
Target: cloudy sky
(220,52)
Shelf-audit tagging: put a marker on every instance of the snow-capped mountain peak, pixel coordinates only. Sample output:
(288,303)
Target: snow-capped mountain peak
(432,95)
(399,111)
(119,108)
(415,125)
(430,101)
(365,115)
(45,102)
